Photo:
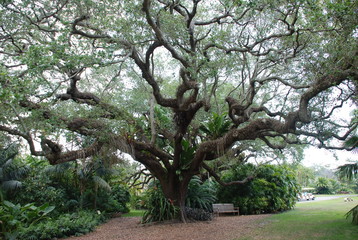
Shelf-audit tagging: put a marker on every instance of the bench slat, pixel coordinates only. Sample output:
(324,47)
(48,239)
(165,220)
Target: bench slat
(225,208)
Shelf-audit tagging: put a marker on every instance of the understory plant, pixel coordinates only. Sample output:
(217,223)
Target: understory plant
(11,172)
(201,195)
(354,214)
(65,225)
(159,208)
(14,218)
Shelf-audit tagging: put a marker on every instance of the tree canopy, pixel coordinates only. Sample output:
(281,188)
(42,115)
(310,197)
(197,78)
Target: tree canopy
(83,78)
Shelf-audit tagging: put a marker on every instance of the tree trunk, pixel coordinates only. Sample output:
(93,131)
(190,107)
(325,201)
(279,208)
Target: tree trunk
(175,189)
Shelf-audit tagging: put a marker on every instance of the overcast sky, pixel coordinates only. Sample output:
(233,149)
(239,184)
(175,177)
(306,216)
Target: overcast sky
(326,158)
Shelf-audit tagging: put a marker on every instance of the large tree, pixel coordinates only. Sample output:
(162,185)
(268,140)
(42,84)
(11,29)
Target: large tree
(146,76)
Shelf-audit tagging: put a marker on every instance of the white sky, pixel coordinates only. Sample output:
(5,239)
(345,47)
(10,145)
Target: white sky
(326,158)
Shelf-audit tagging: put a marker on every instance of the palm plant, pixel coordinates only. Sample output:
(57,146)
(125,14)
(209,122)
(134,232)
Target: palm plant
(200,195)
(217,126)
(323,186)
(91,177)
(10,172)
(350,172)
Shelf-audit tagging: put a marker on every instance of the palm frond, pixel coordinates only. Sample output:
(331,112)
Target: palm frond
(100,182)
(348,171)
(57,170)
(8,153)
(11,185)
(354,214)
(351,142)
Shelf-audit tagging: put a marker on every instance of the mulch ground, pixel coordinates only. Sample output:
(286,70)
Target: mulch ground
(221,228)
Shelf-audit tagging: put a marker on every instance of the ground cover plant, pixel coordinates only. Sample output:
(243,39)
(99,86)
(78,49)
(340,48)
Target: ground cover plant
(323,220)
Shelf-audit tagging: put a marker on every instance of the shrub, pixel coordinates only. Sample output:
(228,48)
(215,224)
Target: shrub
(121,195)
(40,191)
(273,189)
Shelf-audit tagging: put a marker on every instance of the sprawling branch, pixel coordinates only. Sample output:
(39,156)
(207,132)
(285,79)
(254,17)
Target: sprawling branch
(320,85)
(59,157)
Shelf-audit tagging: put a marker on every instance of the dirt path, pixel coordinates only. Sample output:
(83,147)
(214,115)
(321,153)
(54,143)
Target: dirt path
(223,228)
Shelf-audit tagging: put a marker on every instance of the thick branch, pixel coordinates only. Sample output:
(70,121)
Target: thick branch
(57,158)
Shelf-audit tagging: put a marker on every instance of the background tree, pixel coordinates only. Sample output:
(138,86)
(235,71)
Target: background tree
(75,69)
(305,176)
(323,185)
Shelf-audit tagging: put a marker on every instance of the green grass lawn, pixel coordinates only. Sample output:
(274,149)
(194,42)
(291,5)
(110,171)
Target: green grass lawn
(310,220)
(134,213)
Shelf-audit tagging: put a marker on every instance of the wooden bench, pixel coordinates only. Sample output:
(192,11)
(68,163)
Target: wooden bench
(225,208)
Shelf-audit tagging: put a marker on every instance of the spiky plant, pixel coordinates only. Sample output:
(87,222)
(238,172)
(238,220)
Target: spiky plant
(200,195)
